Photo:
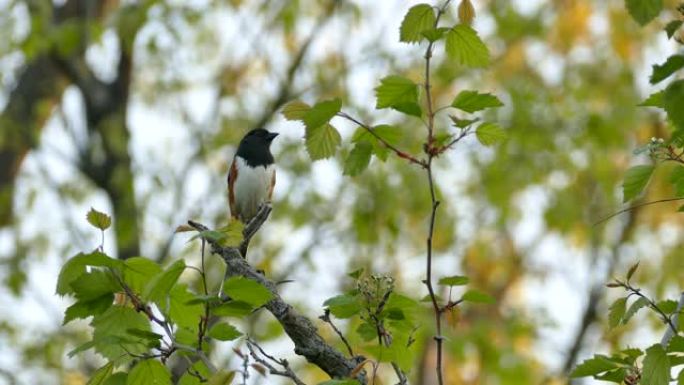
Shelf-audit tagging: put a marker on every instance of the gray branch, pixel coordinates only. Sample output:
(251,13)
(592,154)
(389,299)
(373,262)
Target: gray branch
(308,343)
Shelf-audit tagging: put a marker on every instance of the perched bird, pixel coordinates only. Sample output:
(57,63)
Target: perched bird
(252,175)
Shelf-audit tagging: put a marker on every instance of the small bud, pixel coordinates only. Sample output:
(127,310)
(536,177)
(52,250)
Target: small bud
(466,12)
(653,139)
(612,284)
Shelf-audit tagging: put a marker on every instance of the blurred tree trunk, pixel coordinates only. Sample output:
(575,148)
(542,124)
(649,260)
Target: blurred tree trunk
(105,159)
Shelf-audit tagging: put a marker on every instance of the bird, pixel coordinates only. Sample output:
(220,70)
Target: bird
(252,175)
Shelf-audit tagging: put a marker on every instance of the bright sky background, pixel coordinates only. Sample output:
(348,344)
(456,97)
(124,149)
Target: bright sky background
(158,140)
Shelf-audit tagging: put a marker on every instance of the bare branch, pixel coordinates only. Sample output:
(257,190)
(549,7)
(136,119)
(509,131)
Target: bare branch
(285,372)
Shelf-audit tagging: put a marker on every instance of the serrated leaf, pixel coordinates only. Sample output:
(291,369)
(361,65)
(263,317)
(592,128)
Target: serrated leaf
(616,312)
(656,370)
(477,297)
(462,123)
(233,309)
(149,372)
(389,134)
(90,286)
(321,113)
(473,101)
(593,366)
(232,234)
(367,332)
(246,290)
(101,375)
(138,271)
(654,100)
(98,219)
(634,308)
(643,11)
(676,344)
(490,134)
(343,306)
(395,91)
(224,332)
(181,312)
(454,280)
(76,266)
(636,180)
(110,337)
(672,27)
(159,287)
(667,306)
(85,309)
(616,375)
(295,110)
(322,141)
(118,378)
(673,102)
(661,72)
(358,159)
(434,34)
(419,18)
(465,47)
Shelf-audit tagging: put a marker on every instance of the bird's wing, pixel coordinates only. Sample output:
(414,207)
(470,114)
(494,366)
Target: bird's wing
(232,177)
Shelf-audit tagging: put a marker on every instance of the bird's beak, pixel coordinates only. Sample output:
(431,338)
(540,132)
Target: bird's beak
(272,135)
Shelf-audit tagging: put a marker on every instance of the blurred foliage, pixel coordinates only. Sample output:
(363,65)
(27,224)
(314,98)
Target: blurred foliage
(570,74)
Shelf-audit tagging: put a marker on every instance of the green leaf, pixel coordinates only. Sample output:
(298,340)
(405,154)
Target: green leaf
(181,311)
(473,101)
(656,370)
(231,234)
(110,336)
(233,309)
(295,110)
(654,100)
(159,287)
(389,134)
(322,141)
(632,270)
(85,309)
(464,46)
(663,71)
(419,18)
(673,102)
(462,123)
(643,11)
(99,220)
(321,113)
(680,377)
(93,285)
(672,27)
(676,344)
(222,377)
(246,290)
(490,134)
(224,332)
(616,312)
(395,91)
(616,375)
(667,306)
(454,280)
(636,179)
(677,180)
(367,331)
(138,271)
(478,297)
(339,382)
(76,266)
(343,306)
(101,375)
(118,378)
(434,34)
(149,372)
(358,159)
(633,309)
(593,366)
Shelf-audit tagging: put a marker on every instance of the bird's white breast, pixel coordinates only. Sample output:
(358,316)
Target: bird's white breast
(251,186)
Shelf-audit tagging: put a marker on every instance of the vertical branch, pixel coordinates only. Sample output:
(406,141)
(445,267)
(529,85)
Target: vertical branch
(433,199)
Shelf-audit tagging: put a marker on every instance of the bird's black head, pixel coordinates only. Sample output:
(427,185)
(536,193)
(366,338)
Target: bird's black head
(255,147)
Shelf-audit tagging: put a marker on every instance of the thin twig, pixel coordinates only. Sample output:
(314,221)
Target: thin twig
(326,318)
(636,207)
(285,372)
(398,152)
(670,332)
